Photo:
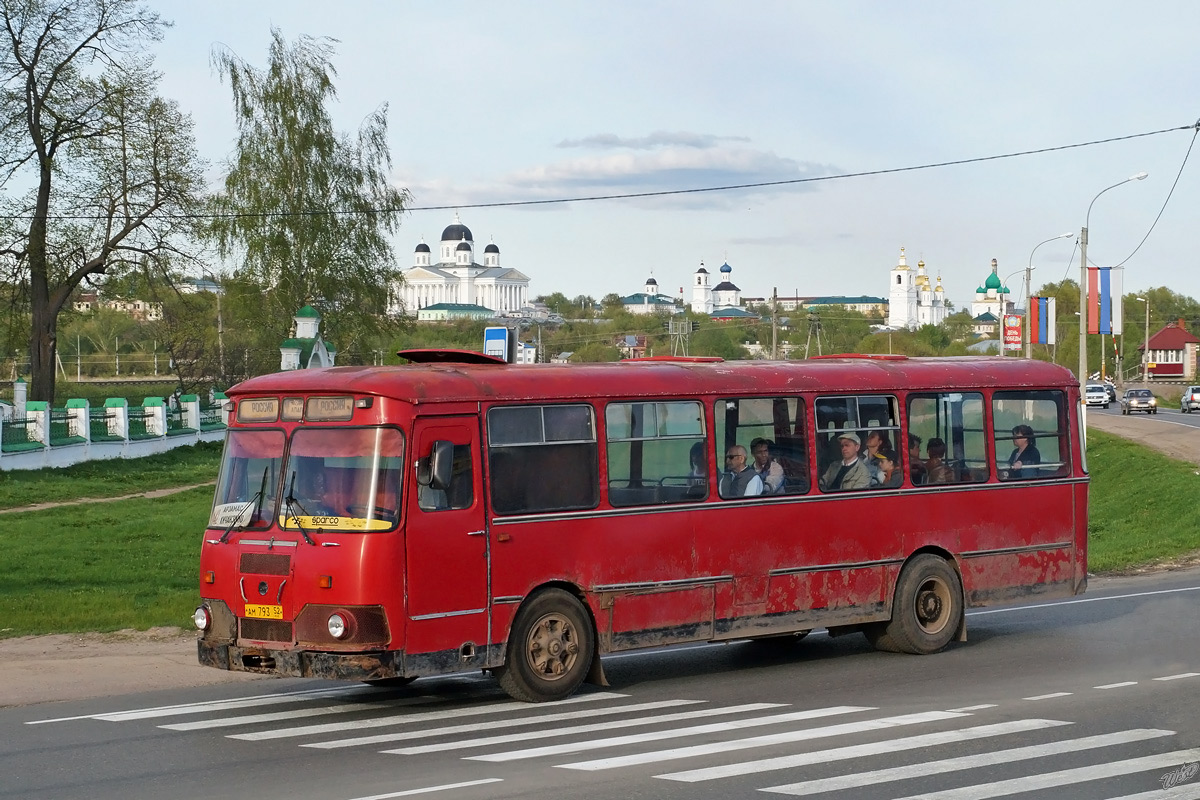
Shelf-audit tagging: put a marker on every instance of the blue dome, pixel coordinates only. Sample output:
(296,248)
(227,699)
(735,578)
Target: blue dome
(422,248)
(726,268)
(491,248)
(457,231)
(651,282)
(463,246)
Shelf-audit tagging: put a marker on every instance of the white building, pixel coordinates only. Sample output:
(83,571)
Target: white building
(912,302)
(650,301)
(457,278)
(992,297)
(706,299)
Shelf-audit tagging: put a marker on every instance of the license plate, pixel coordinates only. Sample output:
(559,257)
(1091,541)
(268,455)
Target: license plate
(264,612)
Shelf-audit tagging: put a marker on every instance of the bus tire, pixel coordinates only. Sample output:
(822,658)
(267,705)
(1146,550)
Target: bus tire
(927,610)
(550,648)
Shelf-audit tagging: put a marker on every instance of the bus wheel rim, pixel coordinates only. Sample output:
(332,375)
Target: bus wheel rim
(933,606)
(553,647)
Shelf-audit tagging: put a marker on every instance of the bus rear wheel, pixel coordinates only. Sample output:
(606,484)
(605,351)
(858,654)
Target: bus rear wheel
(927,610)
(550,648)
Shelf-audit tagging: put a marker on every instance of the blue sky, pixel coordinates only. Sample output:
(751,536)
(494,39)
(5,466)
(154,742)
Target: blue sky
(493,102)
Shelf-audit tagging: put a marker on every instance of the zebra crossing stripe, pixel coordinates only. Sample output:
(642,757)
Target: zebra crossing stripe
(1188,792)
(295,713)
(402,719)
(213,705)
(624,723)
(1064,777)
(429,789)
(844,753)
(811,733)
(967,762)
(473,727)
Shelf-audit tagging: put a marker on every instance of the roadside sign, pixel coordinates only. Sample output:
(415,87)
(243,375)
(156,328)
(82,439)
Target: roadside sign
(1012,332)
(496,342)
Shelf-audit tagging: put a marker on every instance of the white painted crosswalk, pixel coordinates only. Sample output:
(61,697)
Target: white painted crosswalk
(966,753)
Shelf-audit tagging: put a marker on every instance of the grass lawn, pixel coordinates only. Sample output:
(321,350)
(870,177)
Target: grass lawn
(1142,505)
(182,466)
(133,563)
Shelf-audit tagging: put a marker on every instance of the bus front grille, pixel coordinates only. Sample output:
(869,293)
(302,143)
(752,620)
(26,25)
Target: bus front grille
(266,630)
(265,564)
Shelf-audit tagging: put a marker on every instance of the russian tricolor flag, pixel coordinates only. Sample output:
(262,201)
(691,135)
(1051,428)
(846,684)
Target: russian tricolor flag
(1104,300)
(1041,320)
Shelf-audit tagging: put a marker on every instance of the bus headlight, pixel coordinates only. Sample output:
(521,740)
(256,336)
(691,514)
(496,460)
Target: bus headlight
(338,628)
(203,618)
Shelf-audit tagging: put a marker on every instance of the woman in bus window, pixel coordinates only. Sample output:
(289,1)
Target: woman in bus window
(1023,461)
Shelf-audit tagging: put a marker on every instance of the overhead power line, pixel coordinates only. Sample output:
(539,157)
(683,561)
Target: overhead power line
(635,195)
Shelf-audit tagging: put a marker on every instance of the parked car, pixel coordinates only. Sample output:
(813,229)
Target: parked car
(1112,392)
(1139,400)
(1190,400)
(1095,394)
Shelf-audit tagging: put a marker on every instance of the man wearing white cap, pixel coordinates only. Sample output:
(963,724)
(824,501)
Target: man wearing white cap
(850,472)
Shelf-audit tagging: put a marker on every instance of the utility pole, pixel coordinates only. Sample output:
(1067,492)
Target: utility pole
(774,323)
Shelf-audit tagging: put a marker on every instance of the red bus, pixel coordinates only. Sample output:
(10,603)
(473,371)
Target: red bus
(458,513)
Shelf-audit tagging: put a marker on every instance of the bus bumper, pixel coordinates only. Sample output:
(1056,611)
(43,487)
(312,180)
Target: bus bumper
(302,663)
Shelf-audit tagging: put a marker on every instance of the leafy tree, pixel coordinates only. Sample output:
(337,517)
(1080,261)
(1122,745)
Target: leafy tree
(306,211)
(596,351)
(104,171)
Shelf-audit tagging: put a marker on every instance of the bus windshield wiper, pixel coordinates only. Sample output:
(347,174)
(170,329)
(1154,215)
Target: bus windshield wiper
(292,504)
(255,502)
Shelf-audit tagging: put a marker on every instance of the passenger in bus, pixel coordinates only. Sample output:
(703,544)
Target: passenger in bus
(875,441)
(1025,456)
(765,465)
(699,468)
(850,472)
(889,466)
(916,465)
(313,495)
(738,479)
(936,468)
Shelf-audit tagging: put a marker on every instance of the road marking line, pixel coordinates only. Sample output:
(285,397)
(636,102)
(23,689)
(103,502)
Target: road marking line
(428,789)
(837,753)
(276,716)
(1064,777)
(878,776)
(626,723)
(790,736)
(1188,792)
(1048,696)
(1116,685)
(212,705)
(473,727)
(400,719)
(1082,600)
(1177,677)
(980,707)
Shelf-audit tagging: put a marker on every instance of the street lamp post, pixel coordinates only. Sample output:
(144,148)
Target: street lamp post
(1029,269)
(220,323)
(1083,242)
(1146,345)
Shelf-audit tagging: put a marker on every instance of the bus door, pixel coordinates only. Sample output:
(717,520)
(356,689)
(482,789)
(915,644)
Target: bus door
(447,546)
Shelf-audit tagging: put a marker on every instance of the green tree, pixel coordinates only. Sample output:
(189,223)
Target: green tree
(307,212)
(104,171)
(596,351)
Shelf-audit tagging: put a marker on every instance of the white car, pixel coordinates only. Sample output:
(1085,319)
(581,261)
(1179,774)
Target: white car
(1094,394)
(1190,400)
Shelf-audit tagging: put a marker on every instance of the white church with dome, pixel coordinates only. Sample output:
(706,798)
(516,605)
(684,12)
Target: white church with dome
(912,302)
(456,279)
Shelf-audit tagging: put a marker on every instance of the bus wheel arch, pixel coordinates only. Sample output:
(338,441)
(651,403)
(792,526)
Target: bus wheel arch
(552,647)
(928,606)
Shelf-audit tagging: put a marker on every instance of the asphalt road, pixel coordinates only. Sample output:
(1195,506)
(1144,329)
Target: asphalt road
(1096,697)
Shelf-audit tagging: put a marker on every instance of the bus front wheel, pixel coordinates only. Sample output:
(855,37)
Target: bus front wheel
(927,610)
(550,648)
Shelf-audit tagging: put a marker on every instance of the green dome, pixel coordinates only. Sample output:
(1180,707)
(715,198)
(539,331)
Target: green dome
(993,281)
(308,311)
(981,290)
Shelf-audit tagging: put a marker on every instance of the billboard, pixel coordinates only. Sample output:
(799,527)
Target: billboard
(1012,332)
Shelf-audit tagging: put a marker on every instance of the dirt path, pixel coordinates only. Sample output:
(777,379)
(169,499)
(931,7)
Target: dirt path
(150,494)
(42,669)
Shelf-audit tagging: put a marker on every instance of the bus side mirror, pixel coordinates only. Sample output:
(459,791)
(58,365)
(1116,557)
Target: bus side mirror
(441,465)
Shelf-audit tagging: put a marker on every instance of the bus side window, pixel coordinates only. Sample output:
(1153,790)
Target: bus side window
(951,425)
(772,429)
(1030,432)
(542,458)
(459,494)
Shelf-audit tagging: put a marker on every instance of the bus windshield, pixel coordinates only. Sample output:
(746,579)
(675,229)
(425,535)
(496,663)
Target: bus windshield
(344,479)
(248,480)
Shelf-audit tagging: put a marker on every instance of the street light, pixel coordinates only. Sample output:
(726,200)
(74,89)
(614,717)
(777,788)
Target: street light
(1028,270)
(1146,346)
(1083,241)
(220,324)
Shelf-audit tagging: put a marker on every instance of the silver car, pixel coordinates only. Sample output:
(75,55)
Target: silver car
(1139,400)
(1190,400)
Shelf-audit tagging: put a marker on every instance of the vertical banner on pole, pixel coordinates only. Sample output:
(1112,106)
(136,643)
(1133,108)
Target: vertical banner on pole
(1041,320)
(1104,300)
